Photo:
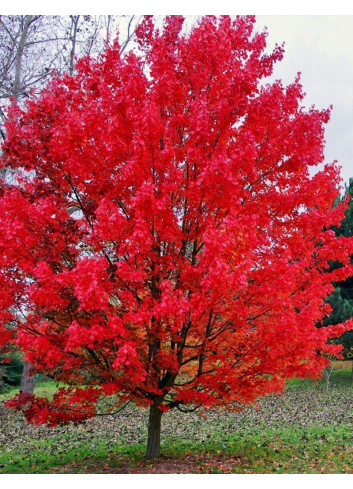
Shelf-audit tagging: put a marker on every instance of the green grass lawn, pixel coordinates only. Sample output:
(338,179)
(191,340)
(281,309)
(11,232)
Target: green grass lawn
(308,429)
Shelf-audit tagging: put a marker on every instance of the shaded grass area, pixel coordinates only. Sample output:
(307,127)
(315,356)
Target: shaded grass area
(308,429)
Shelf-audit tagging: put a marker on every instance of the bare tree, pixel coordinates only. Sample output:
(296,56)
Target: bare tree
(31,46)
(88,35)
(28,51)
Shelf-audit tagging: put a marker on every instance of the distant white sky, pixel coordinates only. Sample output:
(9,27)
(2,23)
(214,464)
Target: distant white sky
(321,48)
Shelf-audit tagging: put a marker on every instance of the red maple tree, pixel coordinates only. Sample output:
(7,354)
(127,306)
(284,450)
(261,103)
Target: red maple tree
(166,240)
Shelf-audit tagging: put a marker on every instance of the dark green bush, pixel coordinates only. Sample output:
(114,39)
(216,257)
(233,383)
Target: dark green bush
(10,373)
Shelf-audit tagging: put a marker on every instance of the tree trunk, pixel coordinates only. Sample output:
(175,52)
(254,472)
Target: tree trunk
(154,432)
(27,380)
(73,38)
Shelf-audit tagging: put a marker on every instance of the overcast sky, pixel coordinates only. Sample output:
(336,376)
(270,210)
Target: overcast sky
(321,48)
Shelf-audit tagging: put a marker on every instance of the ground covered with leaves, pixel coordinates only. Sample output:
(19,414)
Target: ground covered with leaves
(308,429)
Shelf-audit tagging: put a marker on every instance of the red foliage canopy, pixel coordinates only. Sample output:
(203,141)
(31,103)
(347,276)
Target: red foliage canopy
(170,241)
